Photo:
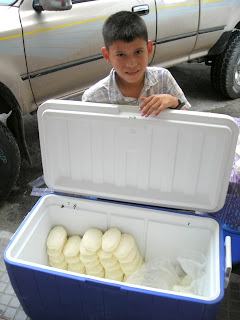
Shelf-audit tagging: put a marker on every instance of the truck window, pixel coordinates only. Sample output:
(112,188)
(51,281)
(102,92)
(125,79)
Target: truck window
(7,2)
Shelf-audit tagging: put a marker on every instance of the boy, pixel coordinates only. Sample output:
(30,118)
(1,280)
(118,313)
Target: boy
(130,81)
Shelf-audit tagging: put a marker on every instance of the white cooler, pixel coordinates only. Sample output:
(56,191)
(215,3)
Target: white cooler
(110,167)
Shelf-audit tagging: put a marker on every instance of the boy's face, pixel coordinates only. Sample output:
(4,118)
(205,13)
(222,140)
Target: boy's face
(129,59)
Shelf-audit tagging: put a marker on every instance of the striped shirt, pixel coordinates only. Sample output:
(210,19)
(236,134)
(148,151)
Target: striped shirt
(157,81)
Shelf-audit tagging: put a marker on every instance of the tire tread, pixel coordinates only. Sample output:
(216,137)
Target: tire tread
(7,137)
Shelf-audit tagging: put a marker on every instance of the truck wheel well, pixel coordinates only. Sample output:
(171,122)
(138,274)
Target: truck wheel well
(221,44)
(8,103)
(238,25)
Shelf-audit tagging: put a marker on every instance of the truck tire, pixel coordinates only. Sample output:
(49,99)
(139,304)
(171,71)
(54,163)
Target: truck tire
(225,70)
(10,161)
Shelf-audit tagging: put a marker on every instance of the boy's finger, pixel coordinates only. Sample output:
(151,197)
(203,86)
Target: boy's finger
(150,103)
(144,103)
(157,112)
(148,108)
(161,108)
(151,109)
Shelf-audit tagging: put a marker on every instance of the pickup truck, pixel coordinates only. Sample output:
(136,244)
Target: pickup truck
(52,49)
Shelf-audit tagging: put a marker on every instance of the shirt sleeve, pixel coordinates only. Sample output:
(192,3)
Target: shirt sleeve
(98,92)
(87,97)
(92,95)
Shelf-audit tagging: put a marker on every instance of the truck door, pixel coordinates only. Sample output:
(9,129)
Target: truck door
(177,25)
(216,18)
(63,49)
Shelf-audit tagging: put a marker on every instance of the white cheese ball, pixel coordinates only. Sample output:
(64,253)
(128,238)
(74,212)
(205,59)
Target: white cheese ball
(88,258)
(92,264)
(125,246)
(114,275)
(104,255)
(77,267)
(100,274)
(57,259)
(132,267)
(92,239)
(57,237)
(85,251)
(55,253)
(74,259)
(109,262)
(129,258)
(61,265)
(134,262)
(113,267)
(95,271)
(111,239)
(72,246)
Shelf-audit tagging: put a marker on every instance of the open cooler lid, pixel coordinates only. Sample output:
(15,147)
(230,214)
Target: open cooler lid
(180,159)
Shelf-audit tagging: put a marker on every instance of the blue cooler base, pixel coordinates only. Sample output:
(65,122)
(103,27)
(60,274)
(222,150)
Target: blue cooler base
(229,217)
(46,296)
(48,293)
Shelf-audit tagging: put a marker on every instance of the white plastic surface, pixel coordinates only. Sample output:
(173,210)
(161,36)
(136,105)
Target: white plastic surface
(228,261)
(157,233)
(180,159)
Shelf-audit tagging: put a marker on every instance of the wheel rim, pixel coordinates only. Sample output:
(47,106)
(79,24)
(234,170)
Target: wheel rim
(237,73)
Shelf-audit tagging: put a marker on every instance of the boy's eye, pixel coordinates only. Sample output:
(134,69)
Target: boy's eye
(120,54)
(138,51)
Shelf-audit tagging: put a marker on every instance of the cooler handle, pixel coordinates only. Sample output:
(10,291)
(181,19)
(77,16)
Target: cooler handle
(228,261)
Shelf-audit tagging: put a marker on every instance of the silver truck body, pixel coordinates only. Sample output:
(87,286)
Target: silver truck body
(57,54)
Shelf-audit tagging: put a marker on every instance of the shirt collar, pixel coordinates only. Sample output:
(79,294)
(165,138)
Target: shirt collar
(150,80)
(113,90)
(116,95)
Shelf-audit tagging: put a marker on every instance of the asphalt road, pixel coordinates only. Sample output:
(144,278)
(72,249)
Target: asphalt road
(194,79)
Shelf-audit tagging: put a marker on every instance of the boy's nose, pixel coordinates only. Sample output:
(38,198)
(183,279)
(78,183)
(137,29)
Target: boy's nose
(131,62)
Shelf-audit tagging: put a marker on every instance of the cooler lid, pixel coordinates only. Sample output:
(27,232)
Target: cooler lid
(180,159)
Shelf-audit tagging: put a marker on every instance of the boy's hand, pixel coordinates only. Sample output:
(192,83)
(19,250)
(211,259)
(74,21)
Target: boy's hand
(157,103)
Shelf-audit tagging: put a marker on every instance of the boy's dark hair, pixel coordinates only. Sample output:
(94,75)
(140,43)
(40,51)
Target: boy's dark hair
(124,26)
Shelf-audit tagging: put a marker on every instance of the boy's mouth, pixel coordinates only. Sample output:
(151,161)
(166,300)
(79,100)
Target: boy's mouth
(133,73)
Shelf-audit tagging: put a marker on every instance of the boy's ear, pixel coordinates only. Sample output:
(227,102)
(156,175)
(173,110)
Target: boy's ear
(105,54)
(149,48)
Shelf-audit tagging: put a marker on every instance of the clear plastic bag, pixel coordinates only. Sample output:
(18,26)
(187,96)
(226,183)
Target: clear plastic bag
(195,288)
(186,275)
(193,263)
(157,273)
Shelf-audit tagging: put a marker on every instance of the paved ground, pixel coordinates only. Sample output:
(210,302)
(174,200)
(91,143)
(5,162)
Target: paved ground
(194,80)
(10,307)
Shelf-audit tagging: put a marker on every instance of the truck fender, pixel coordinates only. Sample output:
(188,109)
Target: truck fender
(15,121)
(220,45)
